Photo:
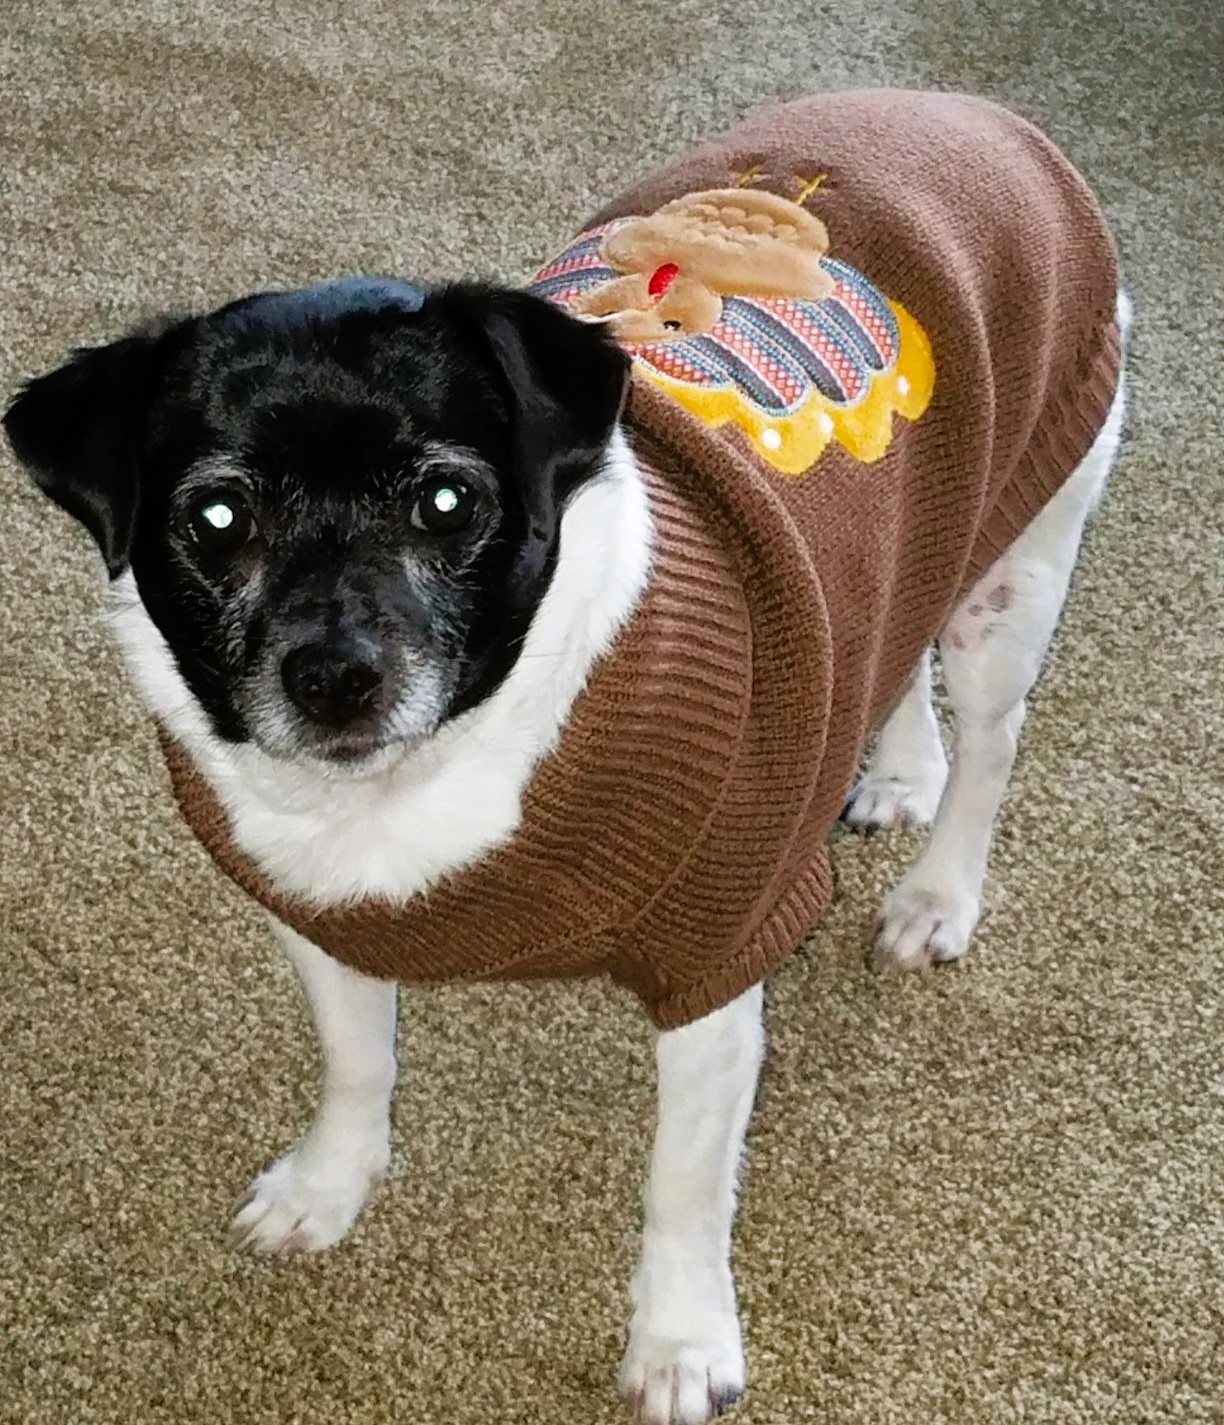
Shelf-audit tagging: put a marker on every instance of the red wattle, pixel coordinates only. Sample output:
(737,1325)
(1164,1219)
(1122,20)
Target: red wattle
(661,279)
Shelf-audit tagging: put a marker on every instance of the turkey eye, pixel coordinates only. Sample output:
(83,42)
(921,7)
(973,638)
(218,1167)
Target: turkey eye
(220,523)
(443,505)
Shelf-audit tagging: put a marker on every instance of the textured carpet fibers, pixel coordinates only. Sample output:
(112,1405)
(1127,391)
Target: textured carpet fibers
(991,1194)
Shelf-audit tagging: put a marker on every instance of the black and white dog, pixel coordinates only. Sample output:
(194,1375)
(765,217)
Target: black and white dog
(365,545)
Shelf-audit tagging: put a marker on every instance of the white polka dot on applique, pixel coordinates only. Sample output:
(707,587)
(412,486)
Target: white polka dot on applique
(771,439)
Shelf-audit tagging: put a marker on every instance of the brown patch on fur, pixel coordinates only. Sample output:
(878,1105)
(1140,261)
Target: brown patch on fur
(1000,598)
(956,640)
(975,610)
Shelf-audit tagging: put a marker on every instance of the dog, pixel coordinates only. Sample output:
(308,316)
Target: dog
(371,547)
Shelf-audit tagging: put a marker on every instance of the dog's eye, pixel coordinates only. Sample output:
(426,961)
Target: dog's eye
(220,523)
(443,505)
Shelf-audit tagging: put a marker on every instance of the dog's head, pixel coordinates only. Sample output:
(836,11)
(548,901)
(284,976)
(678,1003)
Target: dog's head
(340,505)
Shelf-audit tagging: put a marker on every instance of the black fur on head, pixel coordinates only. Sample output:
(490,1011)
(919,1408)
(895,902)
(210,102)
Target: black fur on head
(340,505)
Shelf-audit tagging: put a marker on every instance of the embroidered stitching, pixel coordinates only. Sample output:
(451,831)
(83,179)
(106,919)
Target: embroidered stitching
(808,186)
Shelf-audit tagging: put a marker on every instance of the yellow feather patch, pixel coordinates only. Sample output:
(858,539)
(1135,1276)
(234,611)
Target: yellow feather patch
(793,443)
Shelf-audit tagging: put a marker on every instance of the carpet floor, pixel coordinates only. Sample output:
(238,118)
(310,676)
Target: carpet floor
(991,1194)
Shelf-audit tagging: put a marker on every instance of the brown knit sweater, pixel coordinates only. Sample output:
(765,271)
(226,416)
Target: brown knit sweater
(827,474)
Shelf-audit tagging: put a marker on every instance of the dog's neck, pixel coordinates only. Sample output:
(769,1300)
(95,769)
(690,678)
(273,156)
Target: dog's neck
(331,836)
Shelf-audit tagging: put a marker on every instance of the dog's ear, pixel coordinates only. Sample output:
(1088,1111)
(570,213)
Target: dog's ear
(77,431)
(566,382)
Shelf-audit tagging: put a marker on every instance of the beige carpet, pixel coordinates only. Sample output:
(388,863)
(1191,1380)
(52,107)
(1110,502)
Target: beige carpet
(994,1194)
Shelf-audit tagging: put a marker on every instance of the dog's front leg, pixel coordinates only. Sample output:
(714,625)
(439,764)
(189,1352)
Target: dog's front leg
(685,1360)
(308,1199)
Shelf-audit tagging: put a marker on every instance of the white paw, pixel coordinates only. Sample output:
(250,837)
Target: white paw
(879,800)
(686,1379)
(308,1199)
(920,926)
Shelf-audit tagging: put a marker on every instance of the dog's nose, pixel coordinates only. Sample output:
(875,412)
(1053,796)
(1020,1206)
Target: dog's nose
(334,681)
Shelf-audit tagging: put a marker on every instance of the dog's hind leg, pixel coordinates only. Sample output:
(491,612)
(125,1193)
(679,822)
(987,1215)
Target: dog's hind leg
(991,650)
(905,780)
(308,1199)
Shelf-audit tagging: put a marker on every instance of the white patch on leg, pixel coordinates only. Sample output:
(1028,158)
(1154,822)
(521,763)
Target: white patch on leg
(309,1199)
(928,919)
(685,1358)
(992,650)
(905,781)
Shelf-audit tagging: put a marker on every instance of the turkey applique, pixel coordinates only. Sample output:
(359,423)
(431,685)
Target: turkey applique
(728,300)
